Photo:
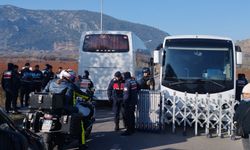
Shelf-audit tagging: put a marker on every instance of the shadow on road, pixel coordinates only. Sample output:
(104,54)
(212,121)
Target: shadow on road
(104,138)
(139,140)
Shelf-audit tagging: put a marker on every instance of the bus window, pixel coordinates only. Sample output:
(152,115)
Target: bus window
(106,43)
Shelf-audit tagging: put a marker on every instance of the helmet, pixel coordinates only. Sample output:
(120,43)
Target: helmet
(64,74)
(246,88)
(146,70)
(127,75)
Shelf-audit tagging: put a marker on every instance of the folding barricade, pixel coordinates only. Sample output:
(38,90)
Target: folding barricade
(205,113)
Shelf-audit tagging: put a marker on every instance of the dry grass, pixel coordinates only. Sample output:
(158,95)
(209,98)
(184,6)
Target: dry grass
(20,62)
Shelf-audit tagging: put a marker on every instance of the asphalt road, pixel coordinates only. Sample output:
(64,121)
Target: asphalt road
(105,138)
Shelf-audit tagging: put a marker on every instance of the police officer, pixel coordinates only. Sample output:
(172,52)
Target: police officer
(17,85)
(240,83)
(242,116)
(26,83)
(86,84)
(147,81)
(115,95)
(65,85)
(130,99)
(7,85)
(48,75)
(37,76)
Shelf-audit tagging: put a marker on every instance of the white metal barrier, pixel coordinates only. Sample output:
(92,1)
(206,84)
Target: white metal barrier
(155,108)
(206,113)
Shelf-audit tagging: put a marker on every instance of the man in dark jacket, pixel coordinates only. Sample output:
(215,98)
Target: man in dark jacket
(17,85)
(147,81)
(130,98)
(86,84)
(8,85)
(242,116)
(48,75)
(37,76)
(26,82)
(240,83)
(115,94)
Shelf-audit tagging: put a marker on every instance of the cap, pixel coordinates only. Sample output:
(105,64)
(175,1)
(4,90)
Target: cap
(86,72)
(118,74)
(146,70)
(10,66)
(127,75)
(246,88)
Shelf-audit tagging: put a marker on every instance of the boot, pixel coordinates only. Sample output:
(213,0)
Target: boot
(124,124)
(117,127)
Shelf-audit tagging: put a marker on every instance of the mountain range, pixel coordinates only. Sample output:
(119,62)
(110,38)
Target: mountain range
(57,31)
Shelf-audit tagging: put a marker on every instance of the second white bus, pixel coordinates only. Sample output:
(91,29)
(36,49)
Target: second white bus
(103,53)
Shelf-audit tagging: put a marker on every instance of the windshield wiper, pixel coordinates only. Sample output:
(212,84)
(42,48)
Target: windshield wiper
(180,82)
(213,82)
(198,81)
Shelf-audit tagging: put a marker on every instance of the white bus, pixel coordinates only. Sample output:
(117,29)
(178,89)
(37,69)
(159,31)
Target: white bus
(103,53)
(202,64)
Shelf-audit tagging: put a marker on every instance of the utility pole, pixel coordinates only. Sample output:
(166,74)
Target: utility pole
(101,13)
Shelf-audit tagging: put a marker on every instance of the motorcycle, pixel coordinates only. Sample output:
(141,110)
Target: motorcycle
(61,129)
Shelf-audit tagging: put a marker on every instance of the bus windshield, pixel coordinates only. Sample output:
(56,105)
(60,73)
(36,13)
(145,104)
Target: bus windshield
(201,67)
(106,43)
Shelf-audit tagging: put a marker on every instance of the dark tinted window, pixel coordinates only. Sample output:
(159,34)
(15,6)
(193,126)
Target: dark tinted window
(106,43)
(203,66)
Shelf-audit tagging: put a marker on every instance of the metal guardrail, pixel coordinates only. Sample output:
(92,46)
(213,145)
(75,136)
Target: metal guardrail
(155,109)
(149,111)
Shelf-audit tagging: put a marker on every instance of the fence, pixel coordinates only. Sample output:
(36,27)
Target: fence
(149,111)
(156,109)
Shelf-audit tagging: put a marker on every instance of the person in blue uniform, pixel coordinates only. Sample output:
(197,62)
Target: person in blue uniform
(26,83)
(130,98)
(37,77)
(240,83)
(147,81)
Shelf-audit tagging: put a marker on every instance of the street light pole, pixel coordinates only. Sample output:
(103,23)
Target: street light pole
(101,13)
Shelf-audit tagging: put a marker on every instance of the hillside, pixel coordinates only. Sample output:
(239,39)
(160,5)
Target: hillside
(245,47)
(43,31)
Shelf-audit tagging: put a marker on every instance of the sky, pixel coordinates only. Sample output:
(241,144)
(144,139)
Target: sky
(228,18)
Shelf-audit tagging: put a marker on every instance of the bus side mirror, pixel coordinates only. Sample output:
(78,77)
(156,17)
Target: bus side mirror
(238,55)
(156,56)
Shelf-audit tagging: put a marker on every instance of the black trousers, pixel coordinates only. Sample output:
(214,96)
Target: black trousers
(24,94)
(8,100)
(118,109)
(130,117)
(14,101)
